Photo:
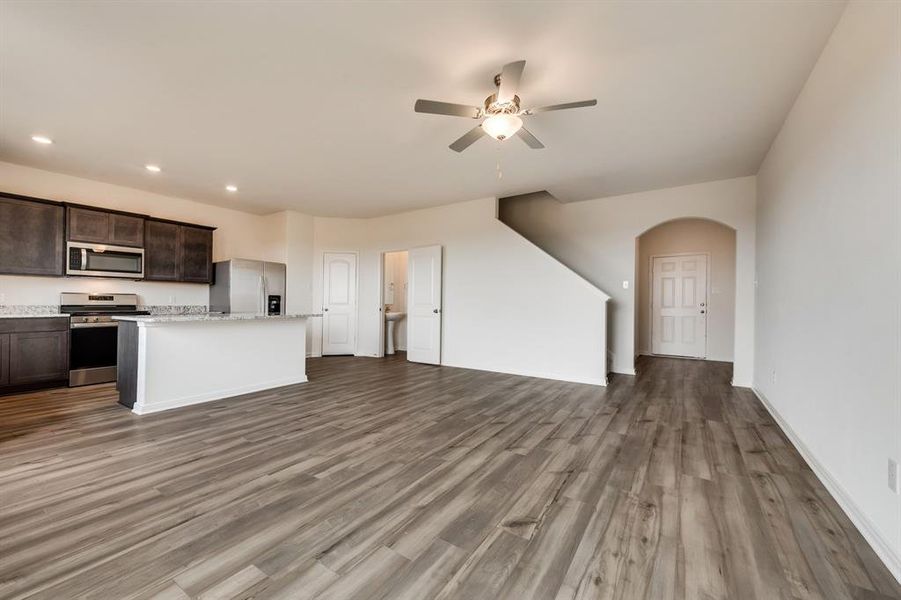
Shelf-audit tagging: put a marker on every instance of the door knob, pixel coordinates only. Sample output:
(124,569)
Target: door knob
(435,311)
(703,304)
(703,311)
(324,310)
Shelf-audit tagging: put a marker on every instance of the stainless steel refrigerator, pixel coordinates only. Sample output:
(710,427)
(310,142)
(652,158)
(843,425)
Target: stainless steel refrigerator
(248,286)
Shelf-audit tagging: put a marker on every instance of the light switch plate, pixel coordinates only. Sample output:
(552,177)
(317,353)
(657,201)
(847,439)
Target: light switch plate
(893,476)
(626,284)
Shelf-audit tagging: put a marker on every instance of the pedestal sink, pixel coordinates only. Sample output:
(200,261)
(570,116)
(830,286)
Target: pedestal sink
(392,318)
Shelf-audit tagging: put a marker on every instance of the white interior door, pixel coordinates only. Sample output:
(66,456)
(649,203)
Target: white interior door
(339,303)
(424,305)
(679,305)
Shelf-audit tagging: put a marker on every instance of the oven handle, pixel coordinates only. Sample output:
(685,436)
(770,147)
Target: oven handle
(90,325)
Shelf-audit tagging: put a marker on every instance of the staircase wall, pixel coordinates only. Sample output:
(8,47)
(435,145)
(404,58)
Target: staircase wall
(597,239)
(507,307)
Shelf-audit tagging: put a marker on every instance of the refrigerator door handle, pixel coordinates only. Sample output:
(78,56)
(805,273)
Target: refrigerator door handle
(262,296)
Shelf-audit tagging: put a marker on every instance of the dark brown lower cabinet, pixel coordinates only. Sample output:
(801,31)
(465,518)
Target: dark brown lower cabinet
(34,353)
(4,359)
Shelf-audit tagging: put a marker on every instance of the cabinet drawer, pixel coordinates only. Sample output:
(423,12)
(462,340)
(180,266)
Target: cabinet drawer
(34,324)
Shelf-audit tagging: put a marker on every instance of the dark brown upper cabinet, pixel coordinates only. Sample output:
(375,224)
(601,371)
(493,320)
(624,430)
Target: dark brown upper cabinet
(196,254)
(175,252)
(103,227)
(161,251)
(31,236)
(126,230)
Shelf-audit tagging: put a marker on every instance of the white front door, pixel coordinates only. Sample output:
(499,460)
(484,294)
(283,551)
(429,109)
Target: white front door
(679,305)
(424,305)
(339,303)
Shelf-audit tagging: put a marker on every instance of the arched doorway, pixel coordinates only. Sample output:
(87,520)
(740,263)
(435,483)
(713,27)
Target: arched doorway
(685,301)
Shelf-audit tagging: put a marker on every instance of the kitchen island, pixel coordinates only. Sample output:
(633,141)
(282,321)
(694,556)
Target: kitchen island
(169,361)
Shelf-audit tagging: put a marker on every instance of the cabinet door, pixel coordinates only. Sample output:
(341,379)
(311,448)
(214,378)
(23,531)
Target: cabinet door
(89,225)
(38,356)
(161,256)
(31,237)
(196,254)
(126,230)
(4,359)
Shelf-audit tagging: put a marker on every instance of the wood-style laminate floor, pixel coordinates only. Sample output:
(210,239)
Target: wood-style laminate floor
(382,479)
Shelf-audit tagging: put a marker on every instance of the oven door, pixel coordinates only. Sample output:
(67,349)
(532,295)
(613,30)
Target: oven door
(105,261)
(92,353)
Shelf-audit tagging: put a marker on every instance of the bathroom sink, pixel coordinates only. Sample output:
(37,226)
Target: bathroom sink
(391,318)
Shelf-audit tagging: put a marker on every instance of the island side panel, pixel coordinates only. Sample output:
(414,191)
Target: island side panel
(190,362)
(127,363)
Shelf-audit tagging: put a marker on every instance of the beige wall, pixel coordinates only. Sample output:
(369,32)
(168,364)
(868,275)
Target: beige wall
(701,236)
(829,271)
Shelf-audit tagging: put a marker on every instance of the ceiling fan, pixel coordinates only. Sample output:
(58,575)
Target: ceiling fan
(501,112)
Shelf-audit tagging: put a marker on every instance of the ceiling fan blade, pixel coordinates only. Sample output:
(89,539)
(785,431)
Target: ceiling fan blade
(529,139)
(447,108)
(532,111)
(510,76)
(467,139)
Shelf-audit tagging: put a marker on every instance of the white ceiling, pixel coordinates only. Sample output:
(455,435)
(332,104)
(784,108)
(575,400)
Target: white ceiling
(309,106)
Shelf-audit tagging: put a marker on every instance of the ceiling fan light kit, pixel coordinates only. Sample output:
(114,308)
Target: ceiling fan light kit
(500,127)
(501,115)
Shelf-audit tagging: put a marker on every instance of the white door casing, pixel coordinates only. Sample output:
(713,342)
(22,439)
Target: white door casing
(339,303)
(424,305)
(679,305)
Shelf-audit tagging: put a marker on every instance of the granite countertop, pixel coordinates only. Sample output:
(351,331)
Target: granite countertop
(32,315)
(210,317)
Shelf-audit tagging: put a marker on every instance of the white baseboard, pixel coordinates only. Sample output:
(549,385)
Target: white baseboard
(883,550)
(141,409)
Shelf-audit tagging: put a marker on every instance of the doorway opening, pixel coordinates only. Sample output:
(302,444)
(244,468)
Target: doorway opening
(394,303)
(410,289)
(685,302)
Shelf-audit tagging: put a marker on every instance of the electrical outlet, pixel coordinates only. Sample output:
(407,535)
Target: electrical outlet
(893,476)
(626,284)
(774,376)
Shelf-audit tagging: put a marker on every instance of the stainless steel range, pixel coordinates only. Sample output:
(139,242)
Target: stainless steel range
(94,334)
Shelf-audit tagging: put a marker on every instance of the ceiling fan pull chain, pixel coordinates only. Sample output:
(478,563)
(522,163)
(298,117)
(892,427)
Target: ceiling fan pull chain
(500,173)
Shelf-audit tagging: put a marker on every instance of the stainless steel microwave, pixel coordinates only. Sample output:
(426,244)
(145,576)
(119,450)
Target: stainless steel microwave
(101,260)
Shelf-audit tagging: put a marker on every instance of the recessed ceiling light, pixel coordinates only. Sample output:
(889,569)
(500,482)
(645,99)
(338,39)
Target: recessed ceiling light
(231,188)
(42,139)
(152,168)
